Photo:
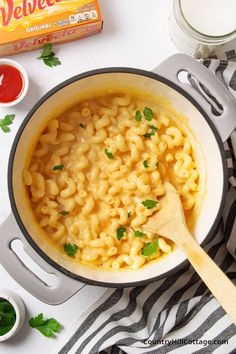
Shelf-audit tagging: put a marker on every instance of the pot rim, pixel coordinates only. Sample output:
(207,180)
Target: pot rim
(60,86)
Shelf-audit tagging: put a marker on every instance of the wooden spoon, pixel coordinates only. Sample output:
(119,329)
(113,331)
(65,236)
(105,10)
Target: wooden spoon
(169,222)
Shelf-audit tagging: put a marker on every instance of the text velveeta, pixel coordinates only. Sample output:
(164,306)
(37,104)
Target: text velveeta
(26,9)
(29,24)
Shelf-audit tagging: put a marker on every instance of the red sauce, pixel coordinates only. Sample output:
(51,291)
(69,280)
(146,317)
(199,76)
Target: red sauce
(11,83)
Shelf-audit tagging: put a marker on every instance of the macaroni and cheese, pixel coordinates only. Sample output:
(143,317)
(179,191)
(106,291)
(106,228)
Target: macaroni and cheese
(97,174)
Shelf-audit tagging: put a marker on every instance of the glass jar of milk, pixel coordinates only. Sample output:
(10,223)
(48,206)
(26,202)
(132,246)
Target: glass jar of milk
(204,28)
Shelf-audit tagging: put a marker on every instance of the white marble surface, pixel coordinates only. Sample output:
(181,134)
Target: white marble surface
(135,35)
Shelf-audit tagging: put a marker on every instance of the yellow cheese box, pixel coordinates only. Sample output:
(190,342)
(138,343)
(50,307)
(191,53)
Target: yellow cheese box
(30,24)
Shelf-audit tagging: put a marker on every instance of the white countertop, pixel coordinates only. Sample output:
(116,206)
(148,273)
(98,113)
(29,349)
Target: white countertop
(135,34)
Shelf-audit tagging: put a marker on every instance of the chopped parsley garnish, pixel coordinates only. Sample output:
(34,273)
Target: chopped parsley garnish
(47,327)
(64,212)
(6,121)
(48,56)
(138,233)
(7,316)
(109,155)
(149,203)
(129,214)
(148,113)
(145,164)
(81,125)
(70,249)
(138,116)
(157,164)
(58,167)
(120,232)
(152,132)
(150,248)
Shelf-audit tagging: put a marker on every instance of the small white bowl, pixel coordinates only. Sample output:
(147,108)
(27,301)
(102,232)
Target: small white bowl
(25,81)
(19,308)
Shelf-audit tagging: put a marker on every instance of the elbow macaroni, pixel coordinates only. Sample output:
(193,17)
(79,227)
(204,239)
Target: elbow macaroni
(92,195)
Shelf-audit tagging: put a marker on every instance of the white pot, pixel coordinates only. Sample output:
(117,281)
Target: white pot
(209,130)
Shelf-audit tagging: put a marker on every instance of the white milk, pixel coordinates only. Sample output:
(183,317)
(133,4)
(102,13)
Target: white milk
(210,17)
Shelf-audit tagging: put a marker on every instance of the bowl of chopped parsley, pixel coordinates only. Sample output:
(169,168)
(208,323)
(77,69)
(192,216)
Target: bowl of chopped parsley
(12,314)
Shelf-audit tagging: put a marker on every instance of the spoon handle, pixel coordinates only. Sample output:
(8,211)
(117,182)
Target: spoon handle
(218,283)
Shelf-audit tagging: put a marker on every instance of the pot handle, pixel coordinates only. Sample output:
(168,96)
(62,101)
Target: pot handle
(170,68)
(62,291)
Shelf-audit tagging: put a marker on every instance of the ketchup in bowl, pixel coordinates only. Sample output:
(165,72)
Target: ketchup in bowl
(11,83)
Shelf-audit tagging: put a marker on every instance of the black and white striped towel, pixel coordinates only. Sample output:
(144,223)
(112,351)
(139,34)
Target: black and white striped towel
(177,314)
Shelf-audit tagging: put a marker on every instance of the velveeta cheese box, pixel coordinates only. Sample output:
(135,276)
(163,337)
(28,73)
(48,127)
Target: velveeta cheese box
(30,24)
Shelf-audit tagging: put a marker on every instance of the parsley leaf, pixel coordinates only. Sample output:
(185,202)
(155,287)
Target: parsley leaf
(149,204)
(7,120)
(148,113)
(50,327)
(5,129)
(138,116)
(47,50)
(109,155)
(70,249)
(138,233)
(129,214)
(120,232)
(150,248)
(152,132)
(47,327)
(58,167)
(81,125)
(37,321)
(48,56)
(52,61)
(157,164)
(64,212)
(145,164)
